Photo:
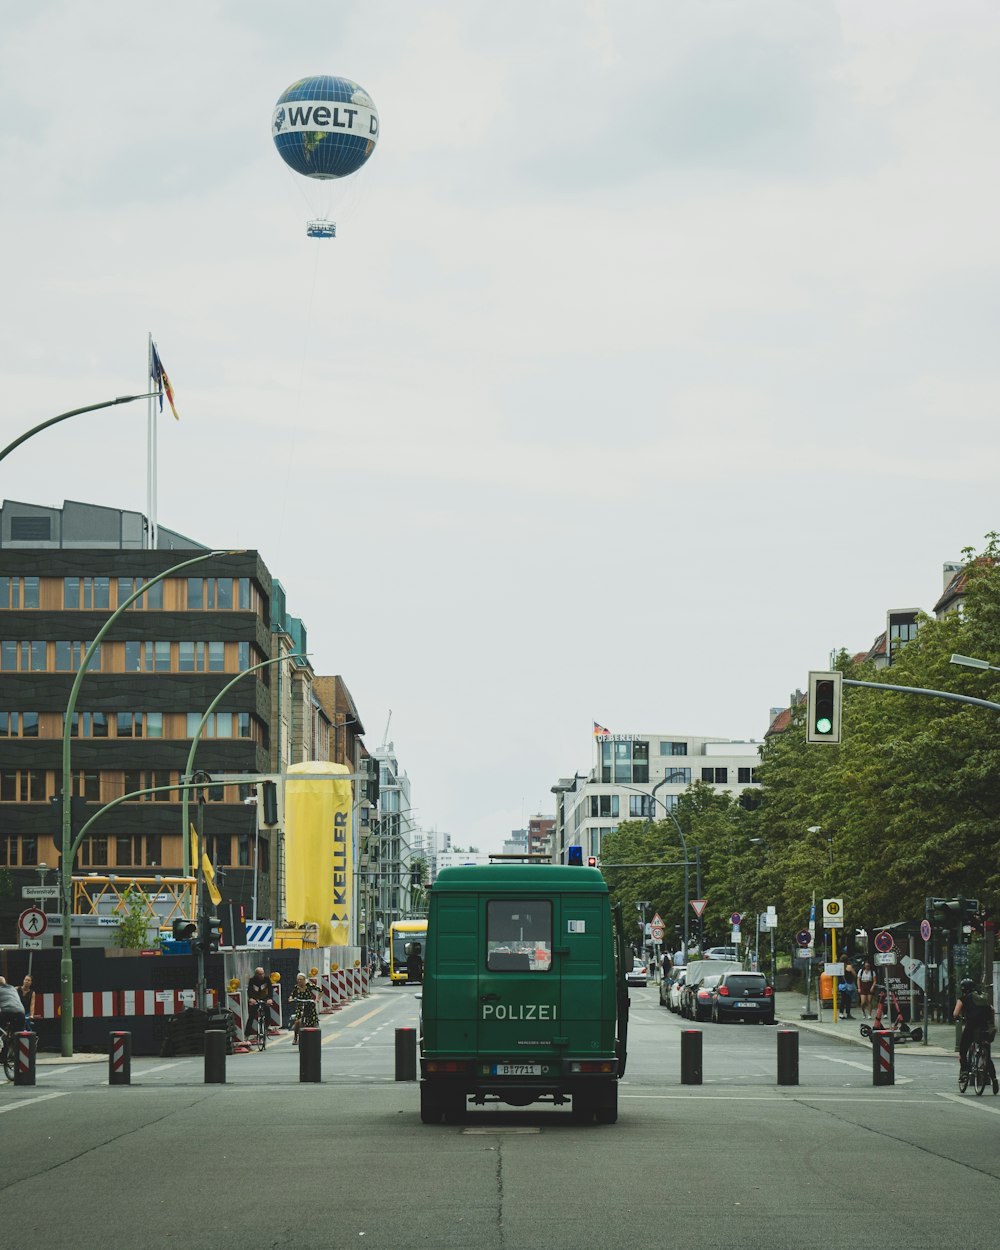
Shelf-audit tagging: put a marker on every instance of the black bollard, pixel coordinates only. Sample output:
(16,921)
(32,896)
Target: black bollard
(691,1057)
(120,1059)
(788,1057)
(883,1058)
(25,1044)
(406,1054)
(215,1056)
(309,1055)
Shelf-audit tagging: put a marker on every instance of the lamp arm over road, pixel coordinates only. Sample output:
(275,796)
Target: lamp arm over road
(185,807)
(64,416)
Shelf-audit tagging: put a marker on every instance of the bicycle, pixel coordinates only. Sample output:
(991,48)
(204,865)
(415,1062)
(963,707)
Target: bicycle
(978,1070)
(7,1049)
(259,1034)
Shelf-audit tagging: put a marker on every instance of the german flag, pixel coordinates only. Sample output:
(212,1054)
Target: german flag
(599,730)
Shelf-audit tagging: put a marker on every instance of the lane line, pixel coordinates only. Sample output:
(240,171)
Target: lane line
(966,1101)
(361,1019)
(28,1101)
(908,1102)
(864,1067)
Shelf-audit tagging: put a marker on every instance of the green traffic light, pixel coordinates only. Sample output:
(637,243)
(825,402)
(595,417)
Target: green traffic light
(824,725)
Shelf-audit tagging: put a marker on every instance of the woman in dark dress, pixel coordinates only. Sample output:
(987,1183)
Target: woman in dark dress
(303,998)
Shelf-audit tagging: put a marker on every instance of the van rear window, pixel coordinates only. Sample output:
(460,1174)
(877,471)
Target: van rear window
(518,935)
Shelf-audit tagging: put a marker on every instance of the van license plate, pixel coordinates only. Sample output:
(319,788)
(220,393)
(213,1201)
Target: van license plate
(517,1069)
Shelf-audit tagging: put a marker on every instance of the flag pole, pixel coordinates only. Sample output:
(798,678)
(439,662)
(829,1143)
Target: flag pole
(150,453)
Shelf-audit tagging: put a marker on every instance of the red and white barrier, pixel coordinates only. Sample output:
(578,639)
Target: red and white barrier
(234,1001)
(274,1009)
(102,1004)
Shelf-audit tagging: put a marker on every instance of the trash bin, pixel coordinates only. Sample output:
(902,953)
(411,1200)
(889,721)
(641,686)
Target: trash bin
(826,989)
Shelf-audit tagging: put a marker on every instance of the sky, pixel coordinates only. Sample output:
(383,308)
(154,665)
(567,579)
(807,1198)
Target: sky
(655,358)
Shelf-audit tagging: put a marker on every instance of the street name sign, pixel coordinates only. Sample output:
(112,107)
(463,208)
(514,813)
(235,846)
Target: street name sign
(39,891)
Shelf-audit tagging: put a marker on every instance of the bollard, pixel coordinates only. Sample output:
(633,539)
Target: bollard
(691,1057)
(309,1055)
(406,1054)
(215,1056)
(120,1059)
(788,1057)
(883,1060)
(25,1044)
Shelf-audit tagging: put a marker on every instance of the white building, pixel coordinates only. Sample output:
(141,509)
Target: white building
(626,771)
(461,859)
(429,845)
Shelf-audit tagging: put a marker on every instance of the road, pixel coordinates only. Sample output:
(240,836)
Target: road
(264,1161)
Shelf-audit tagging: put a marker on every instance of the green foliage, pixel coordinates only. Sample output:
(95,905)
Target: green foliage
(6,883)
(907,806)
(133,927)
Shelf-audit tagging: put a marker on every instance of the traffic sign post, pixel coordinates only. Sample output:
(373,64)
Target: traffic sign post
(883,942)
(32,922)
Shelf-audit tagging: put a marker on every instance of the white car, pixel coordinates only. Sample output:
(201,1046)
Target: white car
(637,975)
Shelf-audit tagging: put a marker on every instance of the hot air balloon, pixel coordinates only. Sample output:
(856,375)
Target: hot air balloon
(324,128)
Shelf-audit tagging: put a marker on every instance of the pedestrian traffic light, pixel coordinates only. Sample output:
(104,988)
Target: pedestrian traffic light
(210,934)
(574,855)
(823,704)
(591,861)
(183,930)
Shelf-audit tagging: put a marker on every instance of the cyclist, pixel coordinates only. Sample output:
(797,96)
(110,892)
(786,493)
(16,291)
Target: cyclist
(303,998)
(258,997)
(11,1008)
(974,1007)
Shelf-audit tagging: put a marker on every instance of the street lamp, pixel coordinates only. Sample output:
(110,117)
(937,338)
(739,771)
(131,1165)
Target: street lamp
(68,848)
(687,864)
(75,412)
(971,662)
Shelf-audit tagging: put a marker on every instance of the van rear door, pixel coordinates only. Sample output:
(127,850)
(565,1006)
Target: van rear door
(520,1000)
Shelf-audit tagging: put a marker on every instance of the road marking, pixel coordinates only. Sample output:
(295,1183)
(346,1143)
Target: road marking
(500,1128)
(28,1101)
(361,1019)
(331,1037)
(970,1102)
(909,1102)
(865,1067)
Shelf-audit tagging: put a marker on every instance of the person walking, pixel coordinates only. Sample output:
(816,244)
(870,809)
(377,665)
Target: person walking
(846,987)
(866,987)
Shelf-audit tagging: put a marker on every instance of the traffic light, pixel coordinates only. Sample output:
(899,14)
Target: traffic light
(370,786)
(823,705)
(210,934)
(183,930)
(232,917)
(591,861)
(268,804)
(944,907)
(574,855)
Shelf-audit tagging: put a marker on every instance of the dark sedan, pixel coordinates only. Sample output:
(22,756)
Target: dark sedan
(698,996)
(743,996)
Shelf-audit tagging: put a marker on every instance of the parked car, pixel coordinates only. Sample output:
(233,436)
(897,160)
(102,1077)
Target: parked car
(743,996)
(637,974)
(672,982)
(697,997)
(722,952)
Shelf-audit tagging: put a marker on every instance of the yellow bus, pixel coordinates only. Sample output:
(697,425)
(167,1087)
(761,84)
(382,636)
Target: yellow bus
(406,938)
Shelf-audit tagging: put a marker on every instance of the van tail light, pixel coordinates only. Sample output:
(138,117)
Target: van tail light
(724,990)
(768,992)
(445,1065)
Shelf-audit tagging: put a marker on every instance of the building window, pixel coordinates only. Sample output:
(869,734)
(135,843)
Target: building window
(94,852)
(640,805)
(8,786)
(29,724)
(640,763)
(128,850)
(243,654)
(154,850)
(224,598)
(719,776)
(31,529)
(673,748)
(604,805)
(677,776)
(243,724)
(243,850)
(10,592)
(8,850)
(223,849)
(244,592)
(153,598)
(195,594)
(29,850)
(31,592)
(154,724)
(71,592)
(128,724)
(216,657)
(10,724)
(8,657)
(746,776)
(37,656)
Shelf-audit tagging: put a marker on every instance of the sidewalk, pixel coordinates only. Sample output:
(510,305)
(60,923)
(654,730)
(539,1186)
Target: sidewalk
(789,1006)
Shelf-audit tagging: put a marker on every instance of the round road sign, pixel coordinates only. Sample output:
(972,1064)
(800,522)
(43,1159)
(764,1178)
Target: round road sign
(925,930)
(883,942)
(32,922)
(804,937)
(736,917)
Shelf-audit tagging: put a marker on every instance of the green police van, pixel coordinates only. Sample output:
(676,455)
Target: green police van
(524,995)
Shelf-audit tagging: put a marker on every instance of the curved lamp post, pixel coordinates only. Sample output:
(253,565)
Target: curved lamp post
(687,864)
(185,805)
(64,416)
(66,964)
